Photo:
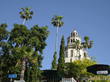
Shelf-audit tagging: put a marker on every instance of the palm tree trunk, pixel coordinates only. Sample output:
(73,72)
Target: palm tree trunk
(23,69)
(56,43)
(24,21)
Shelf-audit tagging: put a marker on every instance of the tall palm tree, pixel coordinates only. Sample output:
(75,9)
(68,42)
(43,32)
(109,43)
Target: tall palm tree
(26,14)
(56,21)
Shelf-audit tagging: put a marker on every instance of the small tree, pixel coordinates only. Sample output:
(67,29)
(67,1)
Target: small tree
(71,70)
(77,69)
(54,62)
(83,64)
(88,43)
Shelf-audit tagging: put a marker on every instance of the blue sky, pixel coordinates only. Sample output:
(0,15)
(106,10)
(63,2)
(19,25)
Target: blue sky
(88,17)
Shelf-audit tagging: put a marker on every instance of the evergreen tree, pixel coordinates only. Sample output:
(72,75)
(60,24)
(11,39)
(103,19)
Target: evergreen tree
(61,61)
(54,62)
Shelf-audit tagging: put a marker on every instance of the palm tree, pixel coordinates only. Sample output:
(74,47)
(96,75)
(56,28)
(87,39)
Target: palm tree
(56,21)
(26,14)
(77,45)
(87,44)
(26,58)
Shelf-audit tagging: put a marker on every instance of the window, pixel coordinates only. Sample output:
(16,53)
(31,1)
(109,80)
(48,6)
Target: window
(71,53)
(66,55)
(71,40)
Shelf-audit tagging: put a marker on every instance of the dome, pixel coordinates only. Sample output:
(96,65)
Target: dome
(74,33)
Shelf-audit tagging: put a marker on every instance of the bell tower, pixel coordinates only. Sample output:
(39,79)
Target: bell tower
(73,37)
(72,53)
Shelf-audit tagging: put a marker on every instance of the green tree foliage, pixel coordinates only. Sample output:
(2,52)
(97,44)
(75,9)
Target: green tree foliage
(3,32)
(19,38)
(21,50)
(61,61)
(4,47)
(100,78)
(29,43)
(88,43)
(56,21)
(77,69)
(26,14)
(71,70)
(54,62)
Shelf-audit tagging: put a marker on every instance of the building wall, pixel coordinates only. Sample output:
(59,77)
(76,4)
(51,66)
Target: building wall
(68,80)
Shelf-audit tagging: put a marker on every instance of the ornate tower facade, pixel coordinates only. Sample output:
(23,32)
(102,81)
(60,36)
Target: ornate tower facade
(73,50)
